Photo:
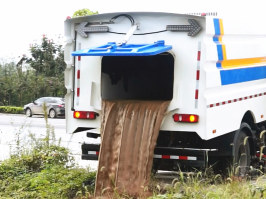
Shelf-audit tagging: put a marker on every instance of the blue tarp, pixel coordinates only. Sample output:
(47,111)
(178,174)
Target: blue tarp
(112,49)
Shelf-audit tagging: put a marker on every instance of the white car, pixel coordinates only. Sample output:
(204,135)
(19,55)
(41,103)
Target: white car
(55,107)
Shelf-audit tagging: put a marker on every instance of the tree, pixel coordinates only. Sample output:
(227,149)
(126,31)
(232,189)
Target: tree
(47,58)
(8,82)
(83,12)
(45,78)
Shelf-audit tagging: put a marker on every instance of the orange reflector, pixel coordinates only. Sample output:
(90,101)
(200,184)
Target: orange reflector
(85,115)
(76,114)
(191,118)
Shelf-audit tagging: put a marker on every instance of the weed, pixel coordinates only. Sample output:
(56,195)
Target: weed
(201,185)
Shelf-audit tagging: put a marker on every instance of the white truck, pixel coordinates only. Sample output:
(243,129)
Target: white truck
(212,70)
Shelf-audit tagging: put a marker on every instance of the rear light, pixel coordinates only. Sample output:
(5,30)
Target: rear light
(191,118)
(85,115)
(60,105)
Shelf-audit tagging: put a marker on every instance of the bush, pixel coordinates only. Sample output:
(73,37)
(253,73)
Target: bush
(44,172)
(11,109)
(42,168)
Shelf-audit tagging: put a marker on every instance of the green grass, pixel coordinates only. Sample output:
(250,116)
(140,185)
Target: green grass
(39,176)
(42,168)
(199,186)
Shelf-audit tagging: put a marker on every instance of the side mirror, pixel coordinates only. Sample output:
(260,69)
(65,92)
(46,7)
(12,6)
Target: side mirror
(34,102)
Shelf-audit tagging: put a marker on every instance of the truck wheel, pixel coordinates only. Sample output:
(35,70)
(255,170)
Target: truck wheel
(241,151)
(28,112)
(52,113)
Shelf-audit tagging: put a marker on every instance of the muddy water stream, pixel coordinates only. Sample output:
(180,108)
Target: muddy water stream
(129,132)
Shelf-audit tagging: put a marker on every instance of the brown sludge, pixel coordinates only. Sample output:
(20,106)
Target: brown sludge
(129,134)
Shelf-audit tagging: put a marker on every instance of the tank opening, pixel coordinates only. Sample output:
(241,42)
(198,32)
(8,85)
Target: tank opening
(137,77)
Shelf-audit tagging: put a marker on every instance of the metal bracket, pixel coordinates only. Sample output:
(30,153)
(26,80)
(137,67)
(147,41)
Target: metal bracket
(129,34)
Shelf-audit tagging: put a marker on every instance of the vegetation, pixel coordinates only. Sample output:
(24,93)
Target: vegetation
(47,58)
(43,169)
(203,185)
(200,186)
(83,12)
(11,109)
(43,173)
(34,77)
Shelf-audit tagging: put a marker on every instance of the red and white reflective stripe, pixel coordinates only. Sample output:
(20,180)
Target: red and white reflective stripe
(174,157)
(197,76)
(93,152)
(78,80)
(236,100)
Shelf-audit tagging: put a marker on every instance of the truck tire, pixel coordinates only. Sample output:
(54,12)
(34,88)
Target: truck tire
(241,151)
(28,112)
(52,113)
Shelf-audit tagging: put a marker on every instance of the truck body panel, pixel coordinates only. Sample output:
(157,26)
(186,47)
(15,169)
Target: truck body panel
(218,74)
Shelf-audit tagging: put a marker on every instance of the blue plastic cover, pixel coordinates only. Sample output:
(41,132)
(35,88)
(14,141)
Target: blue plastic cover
(112,49)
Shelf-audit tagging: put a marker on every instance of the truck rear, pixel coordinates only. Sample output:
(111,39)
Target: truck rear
(166,56)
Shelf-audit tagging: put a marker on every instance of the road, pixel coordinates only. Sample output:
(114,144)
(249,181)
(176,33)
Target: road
(16,131)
